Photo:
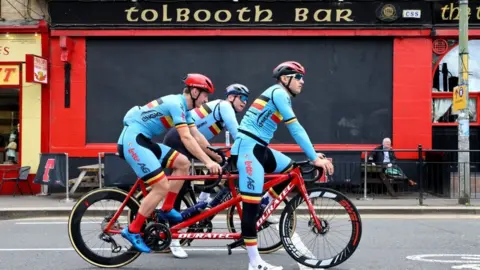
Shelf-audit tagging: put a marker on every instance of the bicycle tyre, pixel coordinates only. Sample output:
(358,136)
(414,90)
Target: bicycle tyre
(262,250)
(76,238)
(343,255)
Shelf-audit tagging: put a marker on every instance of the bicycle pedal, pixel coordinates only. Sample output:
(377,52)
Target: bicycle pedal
(233,245)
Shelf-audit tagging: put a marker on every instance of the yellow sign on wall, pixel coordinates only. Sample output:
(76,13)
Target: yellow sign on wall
(459,98)
(9,75)
(13,47)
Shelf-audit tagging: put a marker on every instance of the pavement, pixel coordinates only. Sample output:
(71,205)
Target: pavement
(55,205)
(391,242)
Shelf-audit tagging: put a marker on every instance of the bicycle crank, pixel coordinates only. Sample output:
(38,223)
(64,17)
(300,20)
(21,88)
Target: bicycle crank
(157,236)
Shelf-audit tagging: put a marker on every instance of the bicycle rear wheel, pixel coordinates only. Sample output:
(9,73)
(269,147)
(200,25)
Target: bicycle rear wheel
(79,243)
(295,244)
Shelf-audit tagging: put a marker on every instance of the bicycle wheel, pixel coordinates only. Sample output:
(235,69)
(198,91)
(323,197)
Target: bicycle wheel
(268,230)
(294,244)
(182,202)
(75,229)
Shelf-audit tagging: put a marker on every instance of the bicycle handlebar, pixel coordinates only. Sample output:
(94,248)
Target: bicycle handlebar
(301,164)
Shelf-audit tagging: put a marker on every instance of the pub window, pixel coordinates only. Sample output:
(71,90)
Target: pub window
(442,110)
(445,78)
(9,125)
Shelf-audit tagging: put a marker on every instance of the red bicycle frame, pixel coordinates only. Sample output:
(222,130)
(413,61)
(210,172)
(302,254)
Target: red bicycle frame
(296,181)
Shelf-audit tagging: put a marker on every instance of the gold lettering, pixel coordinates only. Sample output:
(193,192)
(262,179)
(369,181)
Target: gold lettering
(129,14)
(240,14)
(182,14)
(326,18)
(444,9)
(258,13)
(165,14)
(228,15)
(478,13)
(154,15)
(196,15)
(345,17)
(301,14)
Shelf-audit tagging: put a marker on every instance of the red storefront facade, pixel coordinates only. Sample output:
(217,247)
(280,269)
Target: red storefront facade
(412,62)
(411,84)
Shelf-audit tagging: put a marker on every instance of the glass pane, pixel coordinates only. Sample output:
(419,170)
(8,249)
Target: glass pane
(446,75)
(9,124)
(442,110)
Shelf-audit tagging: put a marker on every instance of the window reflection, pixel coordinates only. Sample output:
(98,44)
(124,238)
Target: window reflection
(442,110)
(446,74)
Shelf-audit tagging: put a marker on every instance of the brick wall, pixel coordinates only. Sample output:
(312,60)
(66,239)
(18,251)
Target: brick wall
(20,10)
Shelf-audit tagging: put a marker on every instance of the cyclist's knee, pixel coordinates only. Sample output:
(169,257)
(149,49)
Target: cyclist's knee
(181,164)
(160,188)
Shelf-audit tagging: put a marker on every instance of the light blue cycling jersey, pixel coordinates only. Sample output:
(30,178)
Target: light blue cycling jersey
(212,117)
(267,111)
(159,115)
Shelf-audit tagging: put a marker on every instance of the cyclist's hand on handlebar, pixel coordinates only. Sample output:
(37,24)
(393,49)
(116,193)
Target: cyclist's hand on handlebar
(321,155)
(214,167)
(325,164)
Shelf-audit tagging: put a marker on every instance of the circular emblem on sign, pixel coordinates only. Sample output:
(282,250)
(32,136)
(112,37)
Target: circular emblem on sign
(387,13)
(460,92)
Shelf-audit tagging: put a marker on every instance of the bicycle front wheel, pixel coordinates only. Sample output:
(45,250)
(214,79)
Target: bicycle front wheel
(340,237)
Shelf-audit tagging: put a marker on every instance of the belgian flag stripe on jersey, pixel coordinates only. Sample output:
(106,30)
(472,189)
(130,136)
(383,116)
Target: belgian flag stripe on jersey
(203,111)
(216,128)
(167,121)
(277,117)
(260,102)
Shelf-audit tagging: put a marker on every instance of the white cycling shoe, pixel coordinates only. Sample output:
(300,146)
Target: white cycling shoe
(273,220)
(264,266)
(177,249)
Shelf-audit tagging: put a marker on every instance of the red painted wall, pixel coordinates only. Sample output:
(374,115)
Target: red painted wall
(412,94)
(411,104)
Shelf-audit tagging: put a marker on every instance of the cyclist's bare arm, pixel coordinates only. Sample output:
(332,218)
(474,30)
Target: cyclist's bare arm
(202,141)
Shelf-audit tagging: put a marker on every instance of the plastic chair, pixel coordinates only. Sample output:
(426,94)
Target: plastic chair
(23,173)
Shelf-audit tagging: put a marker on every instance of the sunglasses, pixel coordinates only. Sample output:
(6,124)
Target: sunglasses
(243,98)
(297,76)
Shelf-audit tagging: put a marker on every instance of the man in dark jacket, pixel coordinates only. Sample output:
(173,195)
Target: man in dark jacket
(387,156)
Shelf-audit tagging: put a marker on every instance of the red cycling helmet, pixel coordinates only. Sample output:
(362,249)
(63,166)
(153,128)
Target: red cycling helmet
(287,68)
(199,81)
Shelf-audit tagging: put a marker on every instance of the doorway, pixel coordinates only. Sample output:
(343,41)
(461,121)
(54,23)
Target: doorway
(9,125)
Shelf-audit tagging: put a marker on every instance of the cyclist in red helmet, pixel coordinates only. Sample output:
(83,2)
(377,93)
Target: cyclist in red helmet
(148,159)
(254,158)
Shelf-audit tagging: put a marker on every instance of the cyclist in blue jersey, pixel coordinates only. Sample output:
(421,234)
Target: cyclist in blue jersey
(148,159)
(253,156)
(210,119)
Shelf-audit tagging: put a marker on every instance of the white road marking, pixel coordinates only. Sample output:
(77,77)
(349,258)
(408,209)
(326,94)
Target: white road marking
(96,249)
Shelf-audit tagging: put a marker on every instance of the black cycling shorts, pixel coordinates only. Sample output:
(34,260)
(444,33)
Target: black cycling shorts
(172,139)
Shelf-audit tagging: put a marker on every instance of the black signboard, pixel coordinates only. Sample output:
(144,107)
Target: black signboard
(110,14)
(448,12)
(52,170)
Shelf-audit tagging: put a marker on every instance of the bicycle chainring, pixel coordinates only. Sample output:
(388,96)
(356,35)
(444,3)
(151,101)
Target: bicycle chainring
(157,236)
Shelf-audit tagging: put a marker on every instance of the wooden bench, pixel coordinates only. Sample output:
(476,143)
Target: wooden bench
(375,176)
(84,180)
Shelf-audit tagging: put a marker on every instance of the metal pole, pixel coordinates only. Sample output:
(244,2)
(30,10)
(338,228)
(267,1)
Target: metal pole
(67,198)
(365,198)
(100,169)
(463,116)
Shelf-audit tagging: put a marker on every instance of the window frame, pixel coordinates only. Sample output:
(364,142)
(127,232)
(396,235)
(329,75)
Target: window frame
(443,95)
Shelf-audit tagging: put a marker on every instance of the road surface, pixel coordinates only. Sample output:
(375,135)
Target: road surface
(388,242)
